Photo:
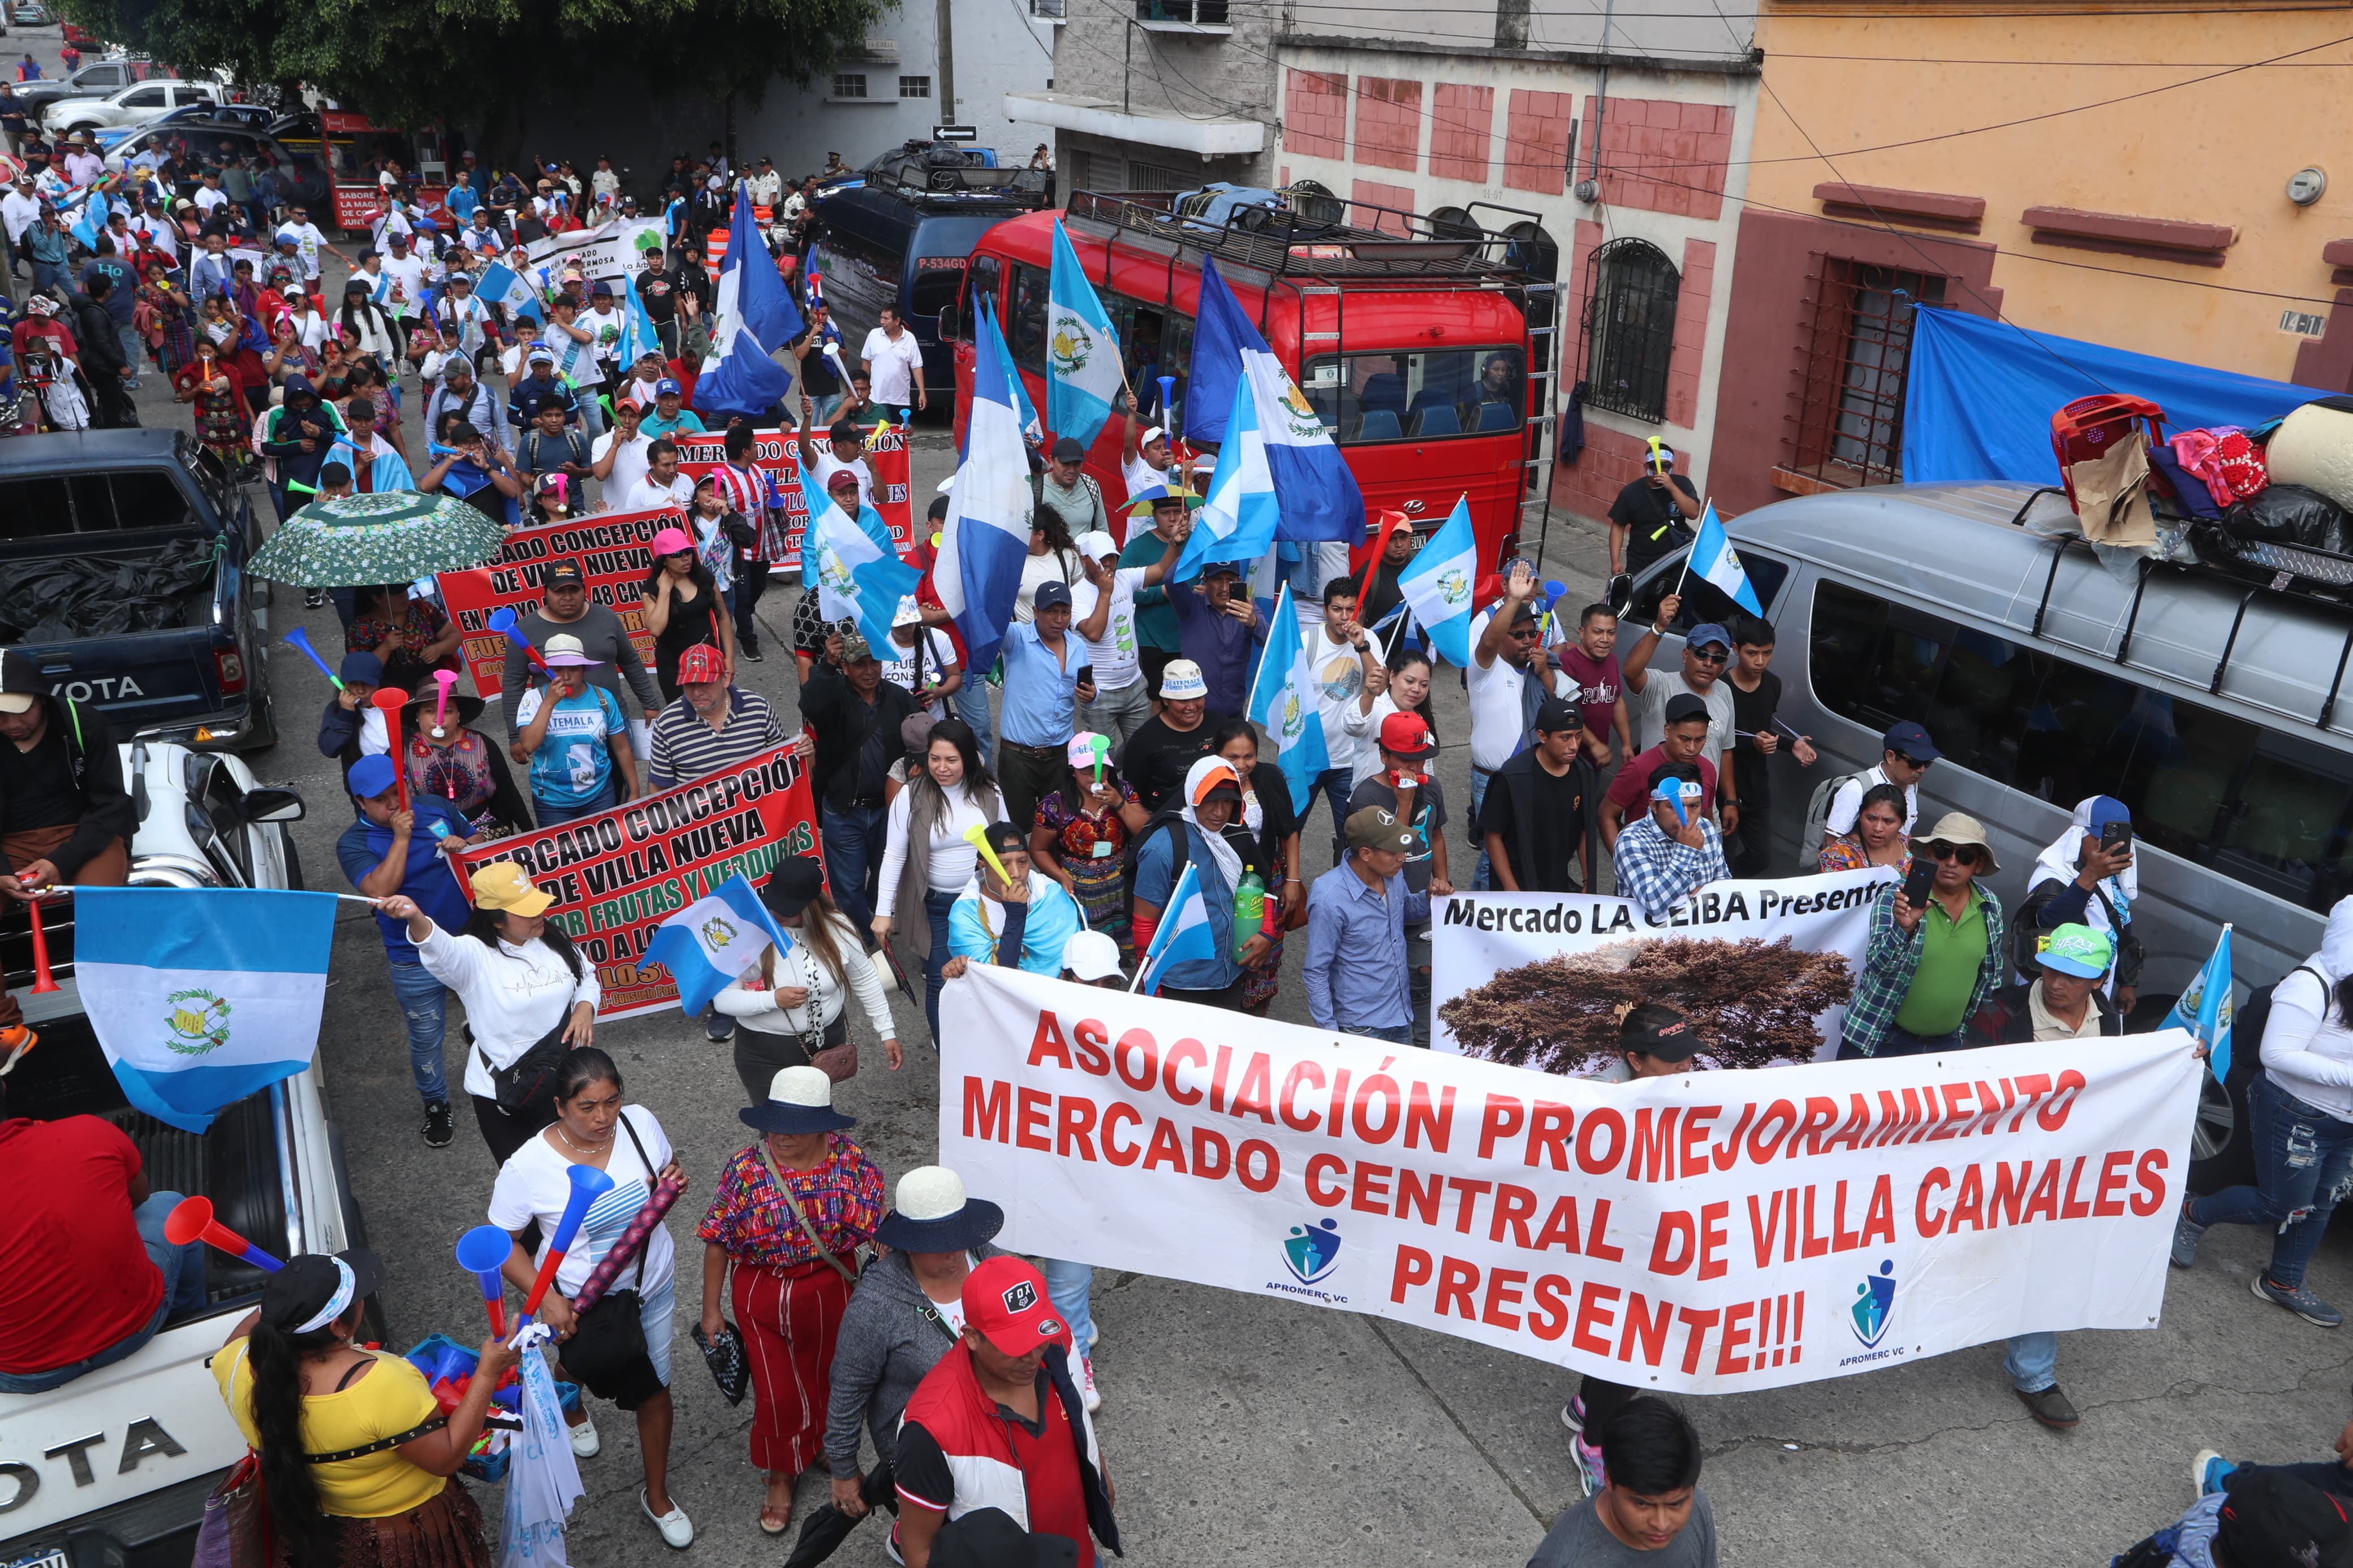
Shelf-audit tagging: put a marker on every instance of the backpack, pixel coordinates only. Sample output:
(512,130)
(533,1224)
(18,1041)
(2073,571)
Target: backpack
(1817,816)
(1180,856)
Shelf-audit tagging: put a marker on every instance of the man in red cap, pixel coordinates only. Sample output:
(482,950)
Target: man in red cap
(998,1424)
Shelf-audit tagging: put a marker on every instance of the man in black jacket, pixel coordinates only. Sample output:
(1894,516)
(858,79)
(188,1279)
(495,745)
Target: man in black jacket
(103,364)
(857,715)
(2066,1001)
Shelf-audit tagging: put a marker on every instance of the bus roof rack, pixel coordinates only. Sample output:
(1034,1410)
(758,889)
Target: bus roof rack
(1304,236)
(948,175)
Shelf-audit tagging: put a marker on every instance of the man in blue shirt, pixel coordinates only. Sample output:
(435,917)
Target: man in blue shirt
(1356,971)
(1043,664)
(390,848)
(1218,628)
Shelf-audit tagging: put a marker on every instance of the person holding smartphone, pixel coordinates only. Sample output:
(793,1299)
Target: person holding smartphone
(1934,952)
(2088,877)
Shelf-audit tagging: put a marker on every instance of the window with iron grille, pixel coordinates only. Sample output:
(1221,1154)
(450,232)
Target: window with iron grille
(1851,409)
(849,84)
(1159,177)
(914,87)
(1629,328)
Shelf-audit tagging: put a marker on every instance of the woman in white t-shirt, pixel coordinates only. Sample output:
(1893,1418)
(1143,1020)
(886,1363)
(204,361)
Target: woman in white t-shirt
(1408,692)
(594,1129)
(928,860)
(922,661)
(1052,557)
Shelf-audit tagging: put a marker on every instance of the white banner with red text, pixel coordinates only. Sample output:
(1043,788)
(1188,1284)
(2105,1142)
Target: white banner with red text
(1515,976)
(1707,1233)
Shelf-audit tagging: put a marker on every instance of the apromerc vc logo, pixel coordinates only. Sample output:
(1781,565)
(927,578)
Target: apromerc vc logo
(1874,1304)
(1312,1251)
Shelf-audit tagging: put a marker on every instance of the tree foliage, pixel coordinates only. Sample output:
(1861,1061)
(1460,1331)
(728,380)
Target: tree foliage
(1751,1001)
(416,63)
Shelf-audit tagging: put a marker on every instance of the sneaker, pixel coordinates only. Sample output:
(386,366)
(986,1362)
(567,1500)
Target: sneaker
(752,656)
(1591,1472)
(718,1028)
(2207,1471)
(677,1530)
(891,1545)
(2186,1232)
(2299,1300)
(438,1132)
(313,598)
(1087,1391)
(2050,1407)
(1572,1415)
(584,1441)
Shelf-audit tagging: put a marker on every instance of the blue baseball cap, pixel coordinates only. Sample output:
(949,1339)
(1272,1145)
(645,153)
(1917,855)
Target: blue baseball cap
(666,387)
(1701,636)
(361,666)
(1909,739)
(370,777)
(2106,809)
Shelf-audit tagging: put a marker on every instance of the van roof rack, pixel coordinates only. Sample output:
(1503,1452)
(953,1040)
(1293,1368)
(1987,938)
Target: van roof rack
(2282,587)
(939,174)
(1306,237)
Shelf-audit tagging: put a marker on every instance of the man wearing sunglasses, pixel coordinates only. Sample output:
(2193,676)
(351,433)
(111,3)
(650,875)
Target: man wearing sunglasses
(1707,650)
(1906,752)
(1929,968)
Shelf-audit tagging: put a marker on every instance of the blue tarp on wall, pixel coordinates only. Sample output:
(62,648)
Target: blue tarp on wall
(1981,393)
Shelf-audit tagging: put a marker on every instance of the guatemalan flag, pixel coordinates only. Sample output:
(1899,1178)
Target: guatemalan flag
(1713,560)
(752,316)
(503,285)
(2205,1008)
(1282,701)
(1184,935)
(1320,499)
(200,996)
(1031,430)
(1438,585)
(978,568)
(1083,360)
(711,941)
(638,335)
(858,570)
(1239,519)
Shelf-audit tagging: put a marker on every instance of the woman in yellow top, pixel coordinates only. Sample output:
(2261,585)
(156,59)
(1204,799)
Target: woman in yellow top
(299,1390)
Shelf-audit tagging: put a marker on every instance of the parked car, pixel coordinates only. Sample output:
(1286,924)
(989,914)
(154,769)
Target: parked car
(298,174)
(24,14)
(244,116)
(96,80)
(114,1467)
(189,668)
(134,105)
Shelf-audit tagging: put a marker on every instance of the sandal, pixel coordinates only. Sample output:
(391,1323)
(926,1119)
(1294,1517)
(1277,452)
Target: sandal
(783,1518)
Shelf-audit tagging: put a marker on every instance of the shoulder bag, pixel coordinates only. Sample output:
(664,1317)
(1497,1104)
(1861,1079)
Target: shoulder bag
(800,1218)
(837,1059)
(528,1082)
(606,1351)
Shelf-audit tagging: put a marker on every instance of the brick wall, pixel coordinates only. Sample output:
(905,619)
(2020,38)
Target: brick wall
(1315,113)
(1610,462)
(1388,123)
(1690,331)
(1397,196)
(1462,123)
(1661,155)
(1535,140)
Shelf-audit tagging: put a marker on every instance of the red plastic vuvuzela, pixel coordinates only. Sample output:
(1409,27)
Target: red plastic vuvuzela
(191,1219)
(42,979)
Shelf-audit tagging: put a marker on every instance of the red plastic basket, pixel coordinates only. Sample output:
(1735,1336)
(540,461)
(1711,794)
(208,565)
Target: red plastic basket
(2089,427)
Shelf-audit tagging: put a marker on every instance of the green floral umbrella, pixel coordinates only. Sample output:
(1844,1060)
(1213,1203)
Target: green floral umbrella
(390,536)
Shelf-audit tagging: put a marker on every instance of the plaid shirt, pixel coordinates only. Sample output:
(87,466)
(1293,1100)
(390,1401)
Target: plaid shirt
(1655,871)
(1890,959)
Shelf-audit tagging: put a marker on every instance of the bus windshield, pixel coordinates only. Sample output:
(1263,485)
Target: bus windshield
(1416,395)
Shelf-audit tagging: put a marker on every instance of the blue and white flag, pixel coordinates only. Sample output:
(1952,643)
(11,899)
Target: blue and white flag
(503,285)
(638,335)
(1438,584)
(1182,936)
(1319,495)
(979,570)
(200,996)
(1082,353)
(1238,519)
(1713,560)
(710,942)
(752,316)
(857,568)
(387,471)
(2206,1007)
(1282,701)
(1031,429)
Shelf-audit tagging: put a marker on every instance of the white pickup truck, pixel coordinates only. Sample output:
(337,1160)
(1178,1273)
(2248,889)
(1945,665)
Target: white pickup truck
(111,1469)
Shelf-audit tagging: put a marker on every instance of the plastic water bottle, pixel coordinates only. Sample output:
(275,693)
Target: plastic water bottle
(1250,909)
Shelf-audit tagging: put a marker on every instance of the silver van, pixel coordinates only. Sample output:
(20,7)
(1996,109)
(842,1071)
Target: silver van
(2214,709)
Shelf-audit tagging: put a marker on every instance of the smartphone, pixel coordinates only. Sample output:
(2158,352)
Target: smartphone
(1916,885)
(2117,836)
(1083,675)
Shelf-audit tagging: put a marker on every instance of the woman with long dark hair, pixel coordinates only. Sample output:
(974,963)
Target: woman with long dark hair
(1878,837)
(683,607)
(523,983)
(362,317)
(928,860)
(1408,692)
(1052,557)
(794,1010)
(594,1128)
(300,1391)
(1080,836)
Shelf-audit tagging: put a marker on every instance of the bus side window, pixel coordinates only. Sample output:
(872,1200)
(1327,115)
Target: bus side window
(1155,341)
(1025,323)
(979,283)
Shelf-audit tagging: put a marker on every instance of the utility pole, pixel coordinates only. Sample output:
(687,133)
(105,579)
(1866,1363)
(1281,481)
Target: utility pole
(945,11)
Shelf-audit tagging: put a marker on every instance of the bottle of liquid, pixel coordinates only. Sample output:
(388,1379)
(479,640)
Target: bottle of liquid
(1250,909)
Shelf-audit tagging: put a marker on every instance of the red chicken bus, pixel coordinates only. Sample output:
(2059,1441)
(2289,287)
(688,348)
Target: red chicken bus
(1424,345)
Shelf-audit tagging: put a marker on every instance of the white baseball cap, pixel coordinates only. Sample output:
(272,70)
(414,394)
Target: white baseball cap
(1097,545)
(1091,955)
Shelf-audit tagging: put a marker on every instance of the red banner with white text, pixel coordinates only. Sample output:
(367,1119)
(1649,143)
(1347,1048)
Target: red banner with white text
(777,455)
(614,551)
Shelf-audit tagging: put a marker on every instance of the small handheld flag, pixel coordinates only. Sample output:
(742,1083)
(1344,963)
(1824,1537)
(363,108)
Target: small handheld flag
(2205,1008)
(1713,560)
(1439,582)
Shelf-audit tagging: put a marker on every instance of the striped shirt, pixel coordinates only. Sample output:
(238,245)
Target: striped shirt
(685,748)
(745,490)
